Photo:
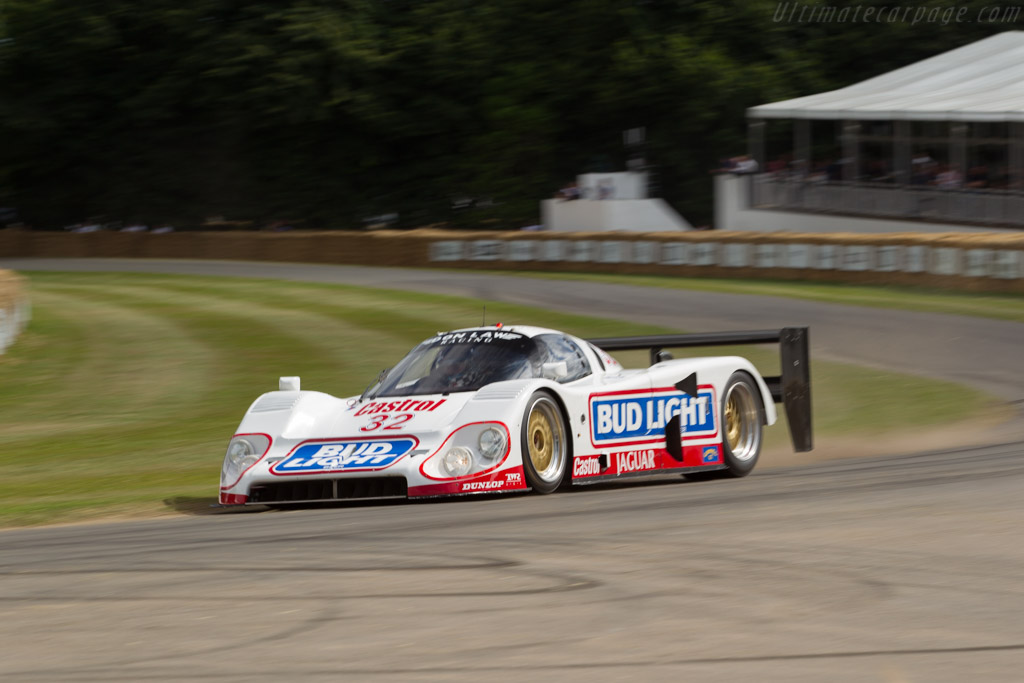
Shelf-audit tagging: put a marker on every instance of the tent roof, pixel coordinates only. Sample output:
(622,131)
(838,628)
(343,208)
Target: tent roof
(982,81)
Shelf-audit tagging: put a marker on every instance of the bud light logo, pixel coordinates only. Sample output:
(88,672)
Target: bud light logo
(344,455)
(642,418)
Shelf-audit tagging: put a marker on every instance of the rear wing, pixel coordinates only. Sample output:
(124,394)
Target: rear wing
(792,388)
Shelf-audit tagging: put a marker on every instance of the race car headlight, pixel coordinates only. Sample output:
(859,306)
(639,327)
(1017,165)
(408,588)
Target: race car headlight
(458,461)
(243,451)
(471,449)
(492,443)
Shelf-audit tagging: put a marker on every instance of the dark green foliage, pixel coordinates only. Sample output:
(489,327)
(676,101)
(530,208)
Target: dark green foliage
(330,112)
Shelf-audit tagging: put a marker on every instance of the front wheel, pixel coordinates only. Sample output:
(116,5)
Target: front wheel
(742,424)
(545,443)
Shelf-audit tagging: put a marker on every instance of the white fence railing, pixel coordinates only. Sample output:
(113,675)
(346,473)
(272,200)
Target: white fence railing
(979,262)
(15,311)
(981,207)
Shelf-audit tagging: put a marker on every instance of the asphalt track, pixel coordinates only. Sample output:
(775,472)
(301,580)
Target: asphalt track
(897,569)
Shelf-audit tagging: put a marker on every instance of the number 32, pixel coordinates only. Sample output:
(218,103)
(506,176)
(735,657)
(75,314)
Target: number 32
(393,422)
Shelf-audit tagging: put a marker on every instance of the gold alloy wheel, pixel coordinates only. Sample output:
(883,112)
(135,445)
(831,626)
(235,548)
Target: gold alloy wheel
(741,422)
(732,423)
(540,441)
(545,440)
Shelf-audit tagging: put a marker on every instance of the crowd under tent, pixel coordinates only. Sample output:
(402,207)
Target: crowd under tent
(941,140)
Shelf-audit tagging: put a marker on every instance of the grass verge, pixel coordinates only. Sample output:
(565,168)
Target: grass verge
(982,305)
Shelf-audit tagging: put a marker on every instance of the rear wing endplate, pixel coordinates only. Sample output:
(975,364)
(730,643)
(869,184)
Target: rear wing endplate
(792,388)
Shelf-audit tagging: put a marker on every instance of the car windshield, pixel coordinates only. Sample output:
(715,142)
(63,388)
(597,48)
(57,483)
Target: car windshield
(461,361)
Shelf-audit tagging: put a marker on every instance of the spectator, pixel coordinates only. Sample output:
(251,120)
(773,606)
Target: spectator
(922,170)
(948,179)
(726,165)
(833,171)
(745,164)
(819,176)
(569,192)
(878,172)
(999,179)
(977,177)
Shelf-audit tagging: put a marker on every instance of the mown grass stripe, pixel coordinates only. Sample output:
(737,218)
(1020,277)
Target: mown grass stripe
(118,370)
(339,343)
(444,311)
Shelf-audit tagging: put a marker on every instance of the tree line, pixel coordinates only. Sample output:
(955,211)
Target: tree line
(326,112)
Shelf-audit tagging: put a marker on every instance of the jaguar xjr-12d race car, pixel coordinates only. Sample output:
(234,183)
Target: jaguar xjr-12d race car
(499,409)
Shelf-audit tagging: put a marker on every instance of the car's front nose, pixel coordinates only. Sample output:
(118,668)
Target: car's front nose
(335,468)
(383,448)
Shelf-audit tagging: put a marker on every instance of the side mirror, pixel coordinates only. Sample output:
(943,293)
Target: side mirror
(288,384)
(554,371)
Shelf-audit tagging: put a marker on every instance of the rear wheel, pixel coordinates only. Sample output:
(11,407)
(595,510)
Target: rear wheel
(742,424)
(545,443)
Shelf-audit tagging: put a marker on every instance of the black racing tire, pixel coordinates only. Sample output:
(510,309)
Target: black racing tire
(742,425)
(545,443)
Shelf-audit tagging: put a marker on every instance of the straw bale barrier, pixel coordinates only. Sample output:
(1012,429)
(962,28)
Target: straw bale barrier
(991,262)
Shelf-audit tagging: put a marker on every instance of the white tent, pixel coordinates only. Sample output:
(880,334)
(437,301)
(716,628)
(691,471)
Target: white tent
(983,81)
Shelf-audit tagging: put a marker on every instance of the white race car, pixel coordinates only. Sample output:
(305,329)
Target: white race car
(498,409)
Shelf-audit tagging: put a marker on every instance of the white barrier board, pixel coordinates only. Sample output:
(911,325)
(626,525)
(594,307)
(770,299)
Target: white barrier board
(1005,264)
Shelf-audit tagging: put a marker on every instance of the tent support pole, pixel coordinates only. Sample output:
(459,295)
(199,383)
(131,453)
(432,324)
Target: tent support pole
(901,152)
(755,142)
(851,151)
(802,147)
(1016,170)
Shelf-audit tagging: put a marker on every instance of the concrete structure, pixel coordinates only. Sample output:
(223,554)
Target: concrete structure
(605,186)
(611,202)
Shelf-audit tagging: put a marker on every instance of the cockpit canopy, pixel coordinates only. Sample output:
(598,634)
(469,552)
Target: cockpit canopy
(468,360)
